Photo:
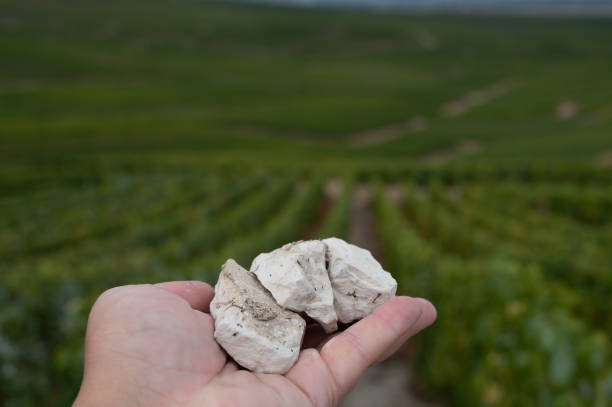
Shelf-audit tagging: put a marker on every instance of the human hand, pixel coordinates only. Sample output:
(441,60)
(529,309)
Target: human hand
(153,345)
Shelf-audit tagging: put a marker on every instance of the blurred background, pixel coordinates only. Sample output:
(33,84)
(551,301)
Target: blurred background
(468,145)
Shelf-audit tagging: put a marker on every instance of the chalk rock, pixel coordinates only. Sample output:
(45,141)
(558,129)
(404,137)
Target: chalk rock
(258,333)
(297,278)
(359,282)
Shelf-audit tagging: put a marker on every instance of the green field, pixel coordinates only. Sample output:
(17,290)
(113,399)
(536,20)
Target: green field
(144,141)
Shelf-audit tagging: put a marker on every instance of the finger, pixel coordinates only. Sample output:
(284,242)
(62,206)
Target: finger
(428,316)
(351,352)
(312,376)
(327,375)
(197,293)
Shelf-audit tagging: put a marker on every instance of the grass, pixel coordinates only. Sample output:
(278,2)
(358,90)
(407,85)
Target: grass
(157,75)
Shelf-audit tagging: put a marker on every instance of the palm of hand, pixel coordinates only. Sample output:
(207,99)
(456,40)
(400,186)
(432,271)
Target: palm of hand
(154,346)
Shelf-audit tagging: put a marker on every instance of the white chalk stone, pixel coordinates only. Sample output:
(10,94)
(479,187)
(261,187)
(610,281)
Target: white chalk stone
(358,281)
(258,333)
(297,278)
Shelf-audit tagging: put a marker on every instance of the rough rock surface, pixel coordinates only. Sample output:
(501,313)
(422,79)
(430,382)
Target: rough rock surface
(296,276)
(358,281)
(258,333)
(255,311)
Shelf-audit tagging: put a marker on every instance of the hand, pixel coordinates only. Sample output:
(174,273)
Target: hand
(153,345)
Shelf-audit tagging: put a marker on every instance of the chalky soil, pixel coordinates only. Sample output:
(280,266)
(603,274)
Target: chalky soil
(256,312)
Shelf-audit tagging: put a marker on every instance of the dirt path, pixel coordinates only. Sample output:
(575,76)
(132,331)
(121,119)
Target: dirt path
(331,191)
(566,109)
(414,124)
(597,117)
(478,97)
(453,108)
(395,194)
(464,147)
(388,383)
(362,231)
(390,132)
(604,159)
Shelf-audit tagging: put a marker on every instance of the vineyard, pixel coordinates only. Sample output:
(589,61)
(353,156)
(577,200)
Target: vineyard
(519,269)
(150,141)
